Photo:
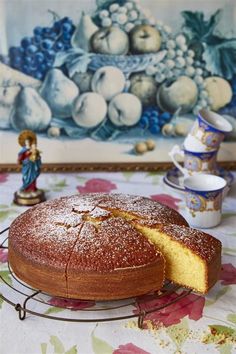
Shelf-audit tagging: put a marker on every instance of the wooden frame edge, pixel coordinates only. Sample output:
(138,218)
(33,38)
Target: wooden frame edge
(106,167)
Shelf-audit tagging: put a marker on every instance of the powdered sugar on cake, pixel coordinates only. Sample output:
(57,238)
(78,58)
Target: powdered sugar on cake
(113,244)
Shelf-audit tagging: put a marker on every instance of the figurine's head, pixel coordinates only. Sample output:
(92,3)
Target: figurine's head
(27,143)
(27,138)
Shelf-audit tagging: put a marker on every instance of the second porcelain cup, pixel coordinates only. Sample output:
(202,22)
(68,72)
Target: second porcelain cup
(194,162)
(204,195)
(207,132)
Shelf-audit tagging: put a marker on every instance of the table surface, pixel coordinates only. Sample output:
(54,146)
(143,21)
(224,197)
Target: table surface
(195,324)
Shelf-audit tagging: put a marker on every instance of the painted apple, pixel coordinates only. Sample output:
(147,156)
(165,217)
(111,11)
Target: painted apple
(219,91)
(144,87)
(83,81)
(125,110)
(108,81)
(111,40)
(181,93)
(144,39)
(89,110)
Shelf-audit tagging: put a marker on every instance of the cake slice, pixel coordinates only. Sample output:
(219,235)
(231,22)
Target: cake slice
(193,257)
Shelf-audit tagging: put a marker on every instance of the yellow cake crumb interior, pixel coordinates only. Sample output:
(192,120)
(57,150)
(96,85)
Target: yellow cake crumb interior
(182,266)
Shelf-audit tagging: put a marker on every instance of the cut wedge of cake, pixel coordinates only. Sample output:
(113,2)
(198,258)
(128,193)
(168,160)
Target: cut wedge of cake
(193,258)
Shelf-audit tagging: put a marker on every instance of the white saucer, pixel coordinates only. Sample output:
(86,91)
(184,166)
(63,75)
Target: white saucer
(174,178)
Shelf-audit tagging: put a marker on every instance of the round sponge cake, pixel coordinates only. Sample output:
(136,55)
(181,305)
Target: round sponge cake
(93,246)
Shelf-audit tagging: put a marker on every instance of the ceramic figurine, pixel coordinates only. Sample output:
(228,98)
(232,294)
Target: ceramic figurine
(30,160)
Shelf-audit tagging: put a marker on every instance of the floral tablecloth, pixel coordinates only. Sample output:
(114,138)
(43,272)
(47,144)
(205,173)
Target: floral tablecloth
(195,324)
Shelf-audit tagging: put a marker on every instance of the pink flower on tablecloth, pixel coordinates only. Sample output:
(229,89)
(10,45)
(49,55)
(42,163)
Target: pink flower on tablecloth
(3,255)
(3,177)
(228,274)
(71,304)
(97,185)
(167,200)
(191,305)
(129,348)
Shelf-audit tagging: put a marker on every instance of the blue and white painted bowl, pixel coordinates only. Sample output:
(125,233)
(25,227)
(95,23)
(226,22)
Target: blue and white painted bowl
(127,63)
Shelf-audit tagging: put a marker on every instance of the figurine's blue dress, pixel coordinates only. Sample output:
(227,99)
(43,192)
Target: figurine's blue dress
(30,170)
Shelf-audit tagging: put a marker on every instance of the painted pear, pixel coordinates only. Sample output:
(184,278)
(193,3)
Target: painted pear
(12,77)
(83,33)
(59,92)
(7,99)
(30,111)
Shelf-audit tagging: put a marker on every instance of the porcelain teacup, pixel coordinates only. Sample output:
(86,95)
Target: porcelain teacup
(194,162)
(207,132)
(204,195)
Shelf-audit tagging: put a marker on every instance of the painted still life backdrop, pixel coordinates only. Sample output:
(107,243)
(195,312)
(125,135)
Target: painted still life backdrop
(94,78)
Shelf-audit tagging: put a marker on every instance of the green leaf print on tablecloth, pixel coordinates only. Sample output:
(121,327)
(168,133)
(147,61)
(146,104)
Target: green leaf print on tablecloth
(1,301)
(100,346)
(53,309)
(56,184)
(179,333)
(72,350)
(128,175)
(218,295)
(43,348)
(58,347)
(6,277)
(223,336)
(225,348)
(6,212)
(155,176)
(218,329)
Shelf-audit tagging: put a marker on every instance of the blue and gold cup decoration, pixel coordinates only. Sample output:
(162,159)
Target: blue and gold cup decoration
(194,162)
(204,195)
(207,132)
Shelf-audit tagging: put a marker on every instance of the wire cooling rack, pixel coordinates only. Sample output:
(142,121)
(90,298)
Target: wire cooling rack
(27,300)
